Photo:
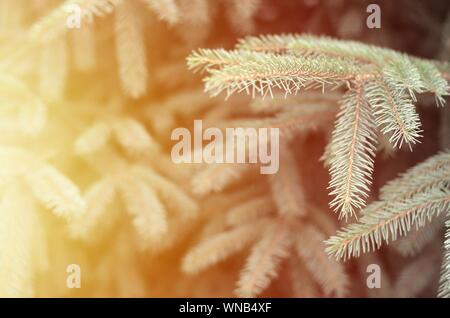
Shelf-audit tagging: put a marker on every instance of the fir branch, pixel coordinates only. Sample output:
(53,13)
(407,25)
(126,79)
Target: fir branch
(394,112)
(403,75)
(219,247)
(353,147)
(405,202)
(432,172)
(149,215)
(130,50)
(270,71)
(207,60)
(261,265)
(98,198)
(56,192)
(432,80)
(421,74)
(310,45)
(133,136)
(385,223)
(383,78)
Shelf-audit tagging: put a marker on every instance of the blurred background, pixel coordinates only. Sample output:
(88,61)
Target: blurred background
(86,176)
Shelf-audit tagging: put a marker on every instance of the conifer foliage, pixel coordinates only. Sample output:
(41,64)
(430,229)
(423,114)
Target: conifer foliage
(379,94)
(381,89)
(90,91)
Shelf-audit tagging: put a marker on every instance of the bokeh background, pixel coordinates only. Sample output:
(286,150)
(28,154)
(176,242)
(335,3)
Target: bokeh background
(86,175)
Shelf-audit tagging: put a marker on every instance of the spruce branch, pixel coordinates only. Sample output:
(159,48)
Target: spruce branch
(402,74)
(267,71)
(415,197)
(381,90)
(353,147)
(386,222)
(394,112)
(56,191)
(98,197)
(433,172)
(47,184)
(206,59)
(424,75)
(432,79)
